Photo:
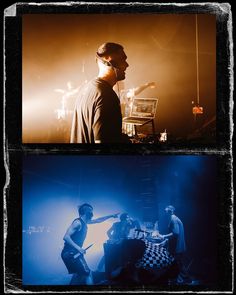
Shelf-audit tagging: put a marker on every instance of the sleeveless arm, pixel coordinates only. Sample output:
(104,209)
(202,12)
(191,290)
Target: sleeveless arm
(75,226)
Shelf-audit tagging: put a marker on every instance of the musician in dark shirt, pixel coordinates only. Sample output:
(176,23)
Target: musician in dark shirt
(74,239)
(97,116)
(176,243)
(120,230)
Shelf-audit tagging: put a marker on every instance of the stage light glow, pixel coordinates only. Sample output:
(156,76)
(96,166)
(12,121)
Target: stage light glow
(96,236)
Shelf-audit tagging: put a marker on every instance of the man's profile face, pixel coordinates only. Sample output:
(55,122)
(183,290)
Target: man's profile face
(168,211)
(88,213)
(120,64)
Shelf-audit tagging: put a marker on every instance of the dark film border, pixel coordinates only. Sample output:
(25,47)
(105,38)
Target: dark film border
(15,150)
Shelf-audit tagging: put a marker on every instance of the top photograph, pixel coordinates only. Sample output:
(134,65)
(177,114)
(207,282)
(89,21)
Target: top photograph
(119,78)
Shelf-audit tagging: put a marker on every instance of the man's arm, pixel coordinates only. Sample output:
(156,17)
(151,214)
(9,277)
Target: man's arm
(76,225)
(174,231)
(166,236)
(135,91)
(102,219)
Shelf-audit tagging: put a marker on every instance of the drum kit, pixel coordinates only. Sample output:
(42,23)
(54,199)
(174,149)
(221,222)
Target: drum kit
(67,94)
(63,114)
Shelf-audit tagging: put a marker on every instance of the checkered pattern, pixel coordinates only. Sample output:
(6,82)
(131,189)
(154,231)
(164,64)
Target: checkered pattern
(155,257)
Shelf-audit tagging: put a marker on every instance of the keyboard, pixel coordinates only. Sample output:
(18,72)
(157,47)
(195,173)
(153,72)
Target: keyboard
(136,120)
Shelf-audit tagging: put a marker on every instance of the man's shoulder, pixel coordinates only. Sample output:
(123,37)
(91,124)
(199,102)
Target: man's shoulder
(97,88)
(99,91)
(104,87)
(175,218)
(76,222)
(100,84)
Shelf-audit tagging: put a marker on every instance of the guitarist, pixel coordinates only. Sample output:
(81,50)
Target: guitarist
(74,239)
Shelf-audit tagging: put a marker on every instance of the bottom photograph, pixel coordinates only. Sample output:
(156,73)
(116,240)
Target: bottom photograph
(119,220)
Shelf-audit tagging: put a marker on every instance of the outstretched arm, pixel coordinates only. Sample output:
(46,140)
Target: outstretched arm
(102,219)
(139,89)
(174,231)
(166,236)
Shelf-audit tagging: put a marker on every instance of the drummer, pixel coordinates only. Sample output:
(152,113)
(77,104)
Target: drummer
(121,230)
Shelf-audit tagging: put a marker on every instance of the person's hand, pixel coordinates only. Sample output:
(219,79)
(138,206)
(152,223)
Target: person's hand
(162,237)
(155,234)
(82,251)
(152,84)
